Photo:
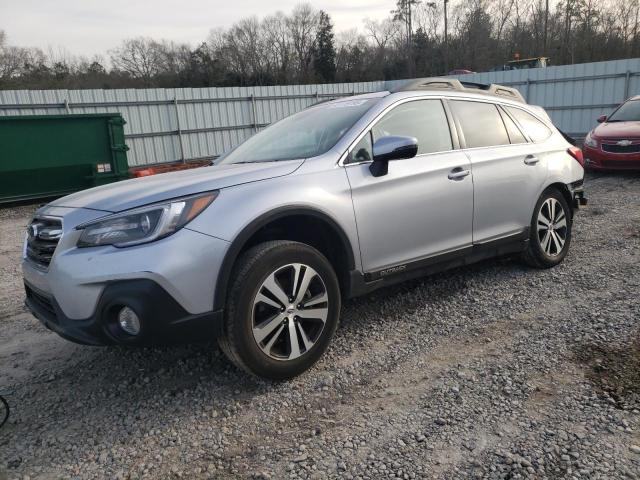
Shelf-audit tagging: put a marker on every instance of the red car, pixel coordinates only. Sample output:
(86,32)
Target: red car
(460,71)
(615,144)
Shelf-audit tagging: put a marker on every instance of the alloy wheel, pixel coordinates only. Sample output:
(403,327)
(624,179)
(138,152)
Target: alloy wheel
(290,311)
(552,227)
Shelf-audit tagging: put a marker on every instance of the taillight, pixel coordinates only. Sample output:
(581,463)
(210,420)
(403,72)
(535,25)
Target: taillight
(576,153)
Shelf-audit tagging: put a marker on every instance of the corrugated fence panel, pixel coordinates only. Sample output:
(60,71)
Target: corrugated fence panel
(166,125)
(574,95)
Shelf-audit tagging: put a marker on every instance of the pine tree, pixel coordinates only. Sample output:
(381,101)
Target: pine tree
(324,61)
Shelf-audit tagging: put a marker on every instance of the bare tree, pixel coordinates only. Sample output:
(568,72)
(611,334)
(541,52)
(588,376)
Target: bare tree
(626,19)
(216,39)
(352,49)
(382,32)
(18,61)
(502,11)
(429,17)
(9,58)
(302,24)
(278,44)
(142,58)
(246,48)
(295,47)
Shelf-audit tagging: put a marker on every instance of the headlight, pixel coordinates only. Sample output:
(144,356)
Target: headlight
(144,224)
(589,141)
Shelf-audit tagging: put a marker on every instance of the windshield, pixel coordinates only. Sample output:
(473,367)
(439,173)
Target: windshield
(309,133)
(628,112)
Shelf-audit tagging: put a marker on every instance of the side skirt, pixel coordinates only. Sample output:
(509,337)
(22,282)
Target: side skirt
(362,284)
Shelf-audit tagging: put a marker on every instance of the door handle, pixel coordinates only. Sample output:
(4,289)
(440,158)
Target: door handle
(458,173)
(531,160)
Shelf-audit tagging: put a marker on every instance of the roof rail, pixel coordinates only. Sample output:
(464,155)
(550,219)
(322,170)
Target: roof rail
(437,83)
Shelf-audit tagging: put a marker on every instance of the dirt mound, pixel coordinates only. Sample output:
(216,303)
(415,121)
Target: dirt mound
(615,370)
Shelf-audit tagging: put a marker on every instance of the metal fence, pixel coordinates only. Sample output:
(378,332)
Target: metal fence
(165,125)
(573,95)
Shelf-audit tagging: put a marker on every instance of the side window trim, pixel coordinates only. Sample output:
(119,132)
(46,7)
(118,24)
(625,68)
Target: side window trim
(454,130)
(346,156)
(504,113)
(462,142)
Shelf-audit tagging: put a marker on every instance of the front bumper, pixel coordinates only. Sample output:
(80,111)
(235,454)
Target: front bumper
(596,159)
(170,284)
(162,319)
(185,264)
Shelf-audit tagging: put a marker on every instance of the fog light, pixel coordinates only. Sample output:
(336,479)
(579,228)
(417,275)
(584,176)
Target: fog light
(129,321)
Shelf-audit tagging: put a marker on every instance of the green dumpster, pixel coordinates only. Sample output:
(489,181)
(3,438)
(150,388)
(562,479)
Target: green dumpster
(53,155)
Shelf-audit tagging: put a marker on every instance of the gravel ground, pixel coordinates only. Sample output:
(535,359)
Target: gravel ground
(491,371)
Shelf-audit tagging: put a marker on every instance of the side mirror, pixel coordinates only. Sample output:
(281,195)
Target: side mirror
(391,148)
(602,118)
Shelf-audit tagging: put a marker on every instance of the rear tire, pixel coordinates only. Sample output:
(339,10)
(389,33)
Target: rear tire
(282,309)
(550,233)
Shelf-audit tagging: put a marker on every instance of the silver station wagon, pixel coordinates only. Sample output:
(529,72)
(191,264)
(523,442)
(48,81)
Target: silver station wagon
(345,197)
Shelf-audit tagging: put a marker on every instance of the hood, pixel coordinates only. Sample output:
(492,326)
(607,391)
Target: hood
(119,196)
(618,130)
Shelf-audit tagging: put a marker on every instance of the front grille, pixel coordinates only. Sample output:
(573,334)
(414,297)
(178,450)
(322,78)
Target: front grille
(40,300)
(43,235)
(613,148)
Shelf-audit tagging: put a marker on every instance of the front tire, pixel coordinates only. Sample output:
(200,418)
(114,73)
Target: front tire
(282,309)
(550,233)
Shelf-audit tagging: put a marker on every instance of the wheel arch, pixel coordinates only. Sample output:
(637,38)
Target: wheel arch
(269,226)
(563,188)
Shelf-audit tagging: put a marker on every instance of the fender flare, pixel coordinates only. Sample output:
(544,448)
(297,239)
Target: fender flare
(233,252)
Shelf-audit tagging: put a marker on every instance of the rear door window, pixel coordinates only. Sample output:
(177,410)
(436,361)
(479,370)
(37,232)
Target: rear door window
(481,123)
(533,127)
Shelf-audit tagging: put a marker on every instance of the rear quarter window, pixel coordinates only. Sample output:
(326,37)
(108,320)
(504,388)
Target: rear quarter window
(515,135)
(537,131)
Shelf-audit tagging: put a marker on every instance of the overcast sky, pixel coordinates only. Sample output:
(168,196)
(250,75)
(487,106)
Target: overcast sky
(95,26)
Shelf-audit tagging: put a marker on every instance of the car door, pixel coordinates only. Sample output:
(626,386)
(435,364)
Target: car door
(423,206)
(507,171)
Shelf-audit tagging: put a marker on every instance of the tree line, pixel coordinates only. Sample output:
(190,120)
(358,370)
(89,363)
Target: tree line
(419,38)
